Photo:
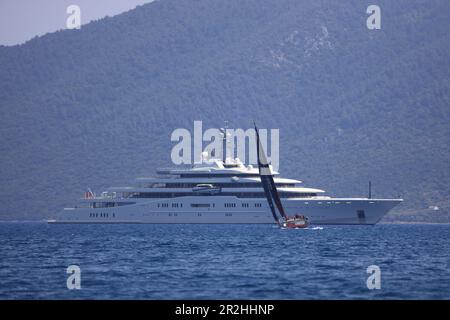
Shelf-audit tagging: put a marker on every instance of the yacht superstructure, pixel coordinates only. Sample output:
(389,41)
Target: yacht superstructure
(217,191)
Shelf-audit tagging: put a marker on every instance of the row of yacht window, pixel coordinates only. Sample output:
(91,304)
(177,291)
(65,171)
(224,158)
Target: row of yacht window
(108,204)
(219,185)
(101,215)
(230,194)
(97,205)
(207,205)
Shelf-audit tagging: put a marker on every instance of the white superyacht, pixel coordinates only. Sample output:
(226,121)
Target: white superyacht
(218,191)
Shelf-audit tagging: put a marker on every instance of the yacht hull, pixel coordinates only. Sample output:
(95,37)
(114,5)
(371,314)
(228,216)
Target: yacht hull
(250,211)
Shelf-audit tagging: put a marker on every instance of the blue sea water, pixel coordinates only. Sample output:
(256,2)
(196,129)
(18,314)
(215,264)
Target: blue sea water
(223,261)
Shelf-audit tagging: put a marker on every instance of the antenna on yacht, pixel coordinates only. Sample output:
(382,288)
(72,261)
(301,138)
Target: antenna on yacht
(224,141)
(370,190)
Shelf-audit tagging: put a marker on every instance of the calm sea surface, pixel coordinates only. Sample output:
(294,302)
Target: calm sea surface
(223,261)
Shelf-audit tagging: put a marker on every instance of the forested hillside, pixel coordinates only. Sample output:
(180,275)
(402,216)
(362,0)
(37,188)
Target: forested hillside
(96,106)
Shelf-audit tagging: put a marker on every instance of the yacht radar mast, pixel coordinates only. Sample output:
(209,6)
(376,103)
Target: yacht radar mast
(225,141)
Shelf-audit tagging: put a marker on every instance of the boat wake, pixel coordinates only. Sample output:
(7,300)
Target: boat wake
(307,228)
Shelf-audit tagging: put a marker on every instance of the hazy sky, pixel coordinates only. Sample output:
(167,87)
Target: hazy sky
(21,20)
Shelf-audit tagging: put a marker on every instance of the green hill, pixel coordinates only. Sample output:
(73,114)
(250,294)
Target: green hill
(95,107)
